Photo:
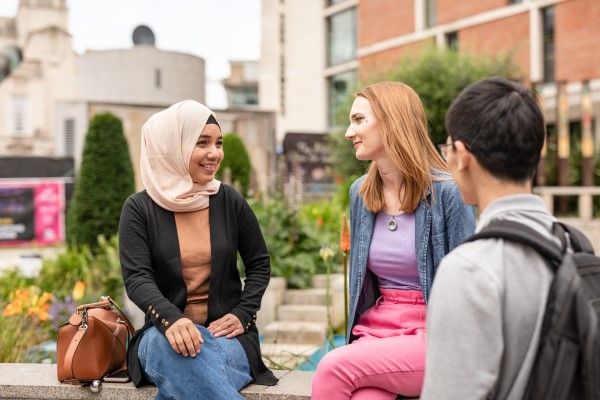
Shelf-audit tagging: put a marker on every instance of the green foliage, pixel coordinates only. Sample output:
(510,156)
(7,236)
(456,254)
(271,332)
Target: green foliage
(18,333)
(236,159)
(100,271)
(295,238)
(11,279)
(104,181)
(438,76)
(76,276)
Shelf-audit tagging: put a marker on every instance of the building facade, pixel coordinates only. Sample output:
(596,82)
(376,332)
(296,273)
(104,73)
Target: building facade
(242,84)
(551,41)
(142,74)
(291,80)
(38,70)
(554,43)
(48,93)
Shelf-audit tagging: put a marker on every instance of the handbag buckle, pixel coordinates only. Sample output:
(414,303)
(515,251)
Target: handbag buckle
(84,315)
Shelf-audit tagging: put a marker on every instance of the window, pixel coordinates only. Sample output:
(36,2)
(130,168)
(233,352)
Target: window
(157,78)
(19,117)
(452,40)
(69,126)
(341,37)
(548,42)
(243,96)
(430,13)
(339,88)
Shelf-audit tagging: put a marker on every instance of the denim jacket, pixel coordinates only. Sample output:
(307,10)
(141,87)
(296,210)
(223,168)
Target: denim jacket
(442,222)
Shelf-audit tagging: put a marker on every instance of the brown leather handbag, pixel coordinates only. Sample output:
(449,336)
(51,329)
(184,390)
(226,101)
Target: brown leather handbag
(93,343)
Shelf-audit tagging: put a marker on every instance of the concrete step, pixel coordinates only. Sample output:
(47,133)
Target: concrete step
(286,355)
(302,312)
(319,281)
(299,332)
(305,296)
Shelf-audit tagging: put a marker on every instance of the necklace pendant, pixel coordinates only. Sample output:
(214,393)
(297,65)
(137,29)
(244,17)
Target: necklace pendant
(392,225)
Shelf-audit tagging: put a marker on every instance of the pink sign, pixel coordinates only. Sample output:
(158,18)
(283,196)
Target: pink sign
(32,213)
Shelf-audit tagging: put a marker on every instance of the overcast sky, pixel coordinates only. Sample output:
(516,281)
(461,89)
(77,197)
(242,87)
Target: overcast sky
(216,30)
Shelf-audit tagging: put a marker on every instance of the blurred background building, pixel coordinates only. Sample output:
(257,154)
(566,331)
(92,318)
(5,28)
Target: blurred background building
(242,84)
(314,53)
(49,93)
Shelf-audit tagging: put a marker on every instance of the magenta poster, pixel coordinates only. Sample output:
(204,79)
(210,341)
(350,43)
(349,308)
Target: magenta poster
(32,213)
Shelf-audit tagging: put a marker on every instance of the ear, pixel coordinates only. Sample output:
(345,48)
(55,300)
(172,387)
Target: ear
(463,156)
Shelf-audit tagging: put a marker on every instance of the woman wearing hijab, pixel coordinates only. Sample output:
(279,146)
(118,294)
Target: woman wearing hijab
(179,240)
(406,213)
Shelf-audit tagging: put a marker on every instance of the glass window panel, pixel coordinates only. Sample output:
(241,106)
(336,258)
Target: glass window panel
(548,43)
(430,13)
(341,33)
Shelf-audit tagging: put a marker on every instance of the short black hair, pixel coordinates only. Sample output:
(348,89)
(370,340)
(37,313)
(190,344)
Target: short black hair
(501,124)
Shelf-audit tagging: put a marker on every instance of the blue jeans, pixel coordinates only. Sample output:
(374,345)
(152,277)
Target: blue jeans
(218,372)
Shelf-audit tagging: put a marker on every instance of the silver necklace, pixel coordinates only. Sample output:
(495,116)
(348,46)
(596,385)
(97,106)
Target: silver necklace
(392,224)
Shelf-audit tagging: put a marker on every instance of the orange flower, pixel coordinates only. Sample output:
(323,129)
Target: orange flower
(345,235)
(78,290)
(22,294)
(29,302)
(13,308)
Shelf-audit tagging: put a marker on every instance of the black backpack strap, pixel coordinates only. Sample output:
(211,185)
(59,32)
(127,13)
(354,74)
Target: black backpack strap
(578,240)
(520,233)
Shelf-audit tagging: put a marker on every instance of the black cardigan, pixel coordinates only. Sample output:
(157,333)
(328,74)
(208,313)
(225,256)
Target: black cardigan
(151,266)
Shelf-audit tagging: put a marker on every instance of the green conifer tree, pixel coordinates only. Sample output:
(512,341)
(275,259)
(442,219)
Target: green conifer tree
(237,161)
(104,181)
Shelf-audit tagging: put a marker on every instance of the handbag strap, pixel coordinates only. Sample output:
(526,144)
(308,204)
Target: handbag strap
(71,351)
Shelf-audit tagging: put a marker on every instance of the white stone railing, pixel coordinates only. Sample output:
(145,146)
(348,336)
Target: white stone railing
(585,196)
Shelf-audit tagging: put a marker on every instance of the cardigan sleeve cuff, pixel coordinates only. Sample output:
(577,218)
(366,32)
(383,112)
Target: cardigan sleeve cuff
(246,319)
(163,317)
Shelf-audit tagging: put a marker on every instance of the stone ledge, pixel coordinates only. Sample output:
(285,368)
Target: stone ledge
(38,381)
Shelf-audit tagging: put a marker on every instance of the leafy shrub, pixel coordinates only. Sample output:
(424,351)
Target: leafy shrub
(295,238)
(236,159)
(100,272)
(104,181)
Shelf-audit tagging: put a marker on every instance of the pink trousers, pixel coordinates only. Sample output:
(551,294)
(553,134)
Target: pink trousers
(387,359)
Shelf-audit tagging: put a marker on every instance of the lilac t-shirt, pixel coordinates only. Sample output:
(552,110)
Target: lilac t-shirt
(392,253)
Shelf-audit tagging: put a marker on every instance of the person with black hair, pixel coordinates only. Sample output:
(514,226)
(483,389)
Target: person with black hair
(488,300)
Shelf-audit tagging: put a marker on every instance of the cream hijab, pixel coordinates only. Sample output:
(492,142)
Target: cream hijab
(168,139)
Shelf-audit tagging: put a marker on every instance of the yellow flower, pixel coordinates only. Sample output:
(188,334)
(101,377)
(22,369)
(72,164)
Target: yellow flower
(78,290)
(326,253)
